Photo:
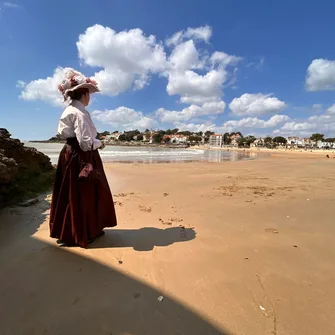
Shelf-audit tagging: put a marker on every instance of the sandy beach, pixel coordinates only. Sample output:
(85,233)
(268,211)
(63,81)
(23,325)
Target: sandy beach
(200,248)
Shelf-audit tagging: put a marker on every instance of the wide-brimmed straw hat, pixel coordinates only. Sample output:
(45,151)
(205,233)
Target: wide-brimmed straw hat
(73,80)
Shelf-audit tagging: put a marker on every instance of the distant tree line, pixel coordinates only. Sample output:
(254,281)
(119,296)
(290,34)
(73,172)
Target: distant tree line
(321,137)
(158,137)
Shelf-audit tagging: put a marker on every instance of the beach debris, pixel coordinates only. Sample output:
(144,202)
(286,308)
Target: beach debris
(261,308)
(246,258)
(145,209)
(288,216)
(160,298)
(307,199)
(271,230)
(176,220)
(295,246)
(165,194)
(118,203)
(29,202)
(119,195)
(120,262)
(123,194)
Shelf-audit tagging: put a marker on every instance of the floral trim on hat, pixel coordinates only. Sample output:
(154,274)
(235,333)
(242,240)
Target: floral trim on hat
(73,79)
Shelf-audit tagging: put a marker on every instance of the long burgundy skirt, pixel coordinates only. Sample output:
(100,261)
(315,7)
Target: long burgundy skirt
(80,209)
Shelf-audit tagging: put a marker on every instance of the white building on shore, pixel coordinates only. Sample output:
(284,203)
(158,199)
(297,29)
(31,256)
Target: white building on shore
(216,140)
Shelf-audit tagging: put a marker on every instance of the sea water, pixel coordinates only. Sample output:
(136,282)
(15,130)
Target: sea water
(150,154)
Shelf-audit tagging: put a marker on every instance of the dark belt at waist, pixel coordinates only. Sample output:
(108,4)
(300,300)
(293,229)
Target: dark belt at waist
(71,140)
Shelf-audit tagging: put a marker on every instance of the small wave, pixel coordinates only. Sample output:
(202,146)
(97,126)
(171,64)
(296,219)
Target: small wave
(150,153)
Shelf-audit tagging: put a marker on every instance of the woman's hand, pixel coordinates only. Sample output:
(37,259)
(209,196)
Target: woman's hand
(102,145)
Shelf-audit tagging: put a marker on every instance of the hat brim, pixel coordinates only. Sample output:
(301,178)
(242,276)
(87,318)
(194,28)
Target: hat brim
(91,89)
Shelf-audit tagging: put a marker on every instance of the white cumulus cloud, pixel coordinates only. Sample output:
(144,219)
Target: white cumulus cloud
(254,123)
(43,89)
(127,58)
(195,127)
(321,75)
(184,57)
(256,104)
(324,123)
(197,77)
(124,118)
(208,108)
(196,88)
(200,33)
(221,58)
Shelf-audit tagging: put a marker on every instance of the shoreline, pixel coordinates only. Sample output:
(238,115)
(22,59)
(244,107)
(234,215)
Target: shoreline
(266,150)
(207,147)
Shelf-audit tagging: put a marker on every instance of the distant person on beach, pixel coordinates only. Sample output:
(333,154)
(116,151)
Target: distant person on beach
(82,204)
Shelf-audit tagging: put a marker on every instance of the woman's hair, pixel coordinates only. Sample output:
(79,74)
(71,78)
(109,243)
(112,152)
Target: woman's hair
(77,94)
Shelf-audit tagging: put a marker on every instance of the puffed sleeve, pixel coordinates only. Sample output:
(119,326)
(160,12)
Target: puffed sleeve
(65,125)
(85,133)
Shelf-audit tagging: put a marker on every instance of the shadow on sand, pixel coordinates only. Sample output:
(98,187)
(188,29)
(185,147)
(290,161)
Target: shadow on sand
(143,239)
(49,290)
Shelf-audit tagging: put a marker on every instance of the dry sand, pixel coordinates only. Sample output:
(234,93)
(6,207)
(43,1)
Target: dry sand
(255,255)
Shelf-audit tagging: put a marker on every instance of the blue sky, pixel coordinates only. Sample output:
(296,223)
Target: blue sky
(260,67)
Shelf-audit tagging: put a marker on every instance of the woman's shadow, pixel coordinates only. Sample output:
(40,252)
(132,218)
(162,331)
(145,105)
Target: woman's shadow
(143,239)
(45,289)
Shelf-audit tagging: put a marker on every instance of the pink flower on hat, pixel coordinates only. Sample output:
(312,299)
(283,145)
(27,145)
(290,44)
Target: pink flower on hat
(74,80)
(91,81)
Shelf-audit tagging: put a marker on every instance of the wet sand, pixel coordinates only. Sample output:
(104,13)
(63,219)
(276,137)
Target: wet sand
(233,248)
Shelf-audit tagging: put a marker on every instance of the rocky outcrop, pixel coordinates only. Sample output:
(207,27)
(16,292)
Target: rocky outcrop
(24,172)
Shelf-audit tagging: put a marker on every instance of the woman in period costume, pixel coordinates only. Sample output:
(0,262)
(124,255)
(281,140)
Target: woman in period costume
(82,204)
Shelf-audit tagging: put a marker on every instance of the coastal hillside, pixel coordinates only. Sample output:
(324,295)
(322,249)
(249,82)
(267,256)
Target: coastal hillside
(24,172)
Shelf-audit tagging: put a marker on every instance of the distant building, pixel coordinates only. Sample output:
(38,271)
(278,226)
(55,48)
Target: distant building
(151,139)
(216,140)
(307,142)
(234,139)
(178,139)
(259,142)
(293,140)
(113,136)
(146,137)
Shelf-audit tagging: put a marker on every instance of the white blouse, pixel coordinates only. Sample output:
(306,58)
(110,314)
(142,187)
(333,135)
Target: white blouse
(77,122)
